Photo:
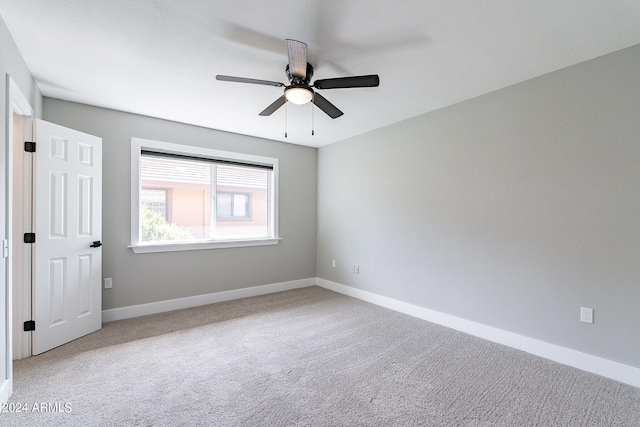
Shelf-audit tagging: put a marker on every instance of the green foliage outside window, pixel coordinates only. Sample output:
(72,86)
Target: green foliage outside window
(156,229)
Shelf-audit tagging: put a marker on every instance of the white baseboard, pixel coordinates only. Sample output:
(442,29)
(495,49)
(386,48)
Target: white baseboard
(198,300)
(586,362)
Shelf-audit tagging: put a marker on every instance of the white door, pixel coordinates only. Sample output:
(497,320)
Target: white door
(67,261)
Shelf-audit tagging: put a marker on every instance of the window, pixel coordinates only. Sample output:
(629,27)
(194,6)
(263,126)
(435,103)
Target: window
(233,206)
(187,198)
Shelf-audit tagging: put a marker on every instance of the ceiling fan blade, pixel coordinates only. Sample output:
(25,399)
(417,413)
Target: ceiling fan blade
(371,80)
(274,106)
(297,52)
(331,110)
(245,80)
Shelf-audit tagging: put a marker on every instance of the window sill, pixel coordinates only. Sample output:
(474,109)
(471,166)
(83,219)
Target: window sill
(196,246)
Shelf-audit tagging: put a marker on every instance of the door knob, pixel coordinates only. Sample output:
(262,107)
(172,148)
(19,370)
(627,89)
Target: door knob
(96,244)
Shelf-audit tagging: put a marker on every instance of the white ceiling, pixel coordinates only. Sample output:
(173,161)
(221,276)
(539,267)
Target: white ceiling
(159,57)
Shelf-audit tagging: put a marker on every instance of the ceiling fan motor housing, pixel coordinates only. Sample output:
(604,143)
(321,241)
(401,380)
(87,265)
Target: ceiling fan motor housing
(297,80)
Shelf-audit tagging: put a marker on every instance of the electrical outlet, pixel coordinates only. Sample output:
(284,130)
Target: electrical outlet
(333,263)
(586,314)
(355,269)
(108,283)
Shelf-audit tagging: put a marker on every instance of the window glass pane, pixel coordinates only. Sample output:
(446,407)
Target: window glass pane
(242,202)
(187,199)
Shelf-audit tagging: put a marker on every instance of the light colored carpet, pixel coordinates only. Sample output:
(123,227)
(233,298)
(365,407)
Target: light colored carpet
(308,357)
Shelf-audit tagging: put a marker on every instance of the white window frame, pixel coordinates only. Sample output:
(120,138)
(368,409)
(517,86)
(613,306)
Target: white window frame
(139,144)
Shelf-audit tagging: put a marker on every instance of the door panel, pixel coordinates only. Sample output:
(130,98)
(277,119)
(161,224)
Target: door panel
(67,298)
(85,199)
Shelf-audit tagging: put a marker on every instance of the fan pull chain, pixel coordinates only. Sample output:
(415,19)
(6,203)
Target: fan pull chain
(313,124)
(285,120)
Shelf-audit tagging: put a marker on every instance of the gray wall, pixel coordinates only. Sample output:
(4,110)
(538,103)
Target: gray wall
(144,278)
(513,209)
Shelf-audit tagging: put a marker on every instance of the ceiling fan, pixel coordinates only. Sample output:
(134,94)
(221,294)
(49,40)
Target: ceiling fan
(299,90)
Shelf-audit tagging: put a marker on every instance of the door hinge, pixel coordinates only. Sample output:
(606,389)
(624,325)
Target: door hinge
(29,237)
(30,146)
(29,325)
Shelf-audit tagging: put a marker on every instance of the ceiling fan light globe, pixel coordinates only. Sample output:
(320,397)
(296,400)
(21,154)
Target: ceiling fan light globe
(298,95)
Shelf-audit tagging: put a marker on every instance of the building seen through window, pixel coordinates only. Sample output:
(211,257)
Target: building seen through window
(185,199)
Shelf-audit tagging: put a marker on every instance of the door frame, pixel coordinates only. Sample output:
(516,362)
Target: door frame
(19,282)
(16,103)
